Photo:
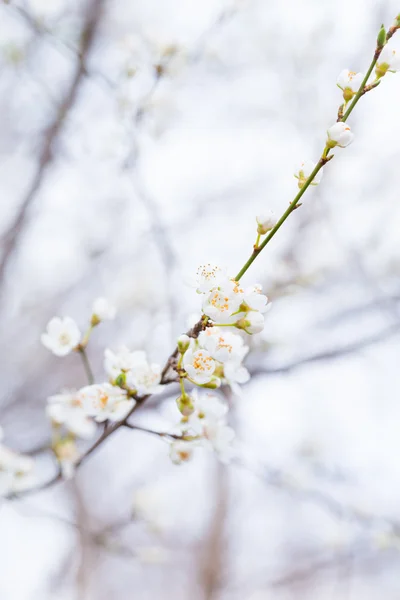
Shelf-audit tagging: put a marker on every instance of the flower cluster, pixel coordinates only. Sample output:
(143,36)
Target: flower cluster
(226,303)
(205,427)
(16,471)
(75,413)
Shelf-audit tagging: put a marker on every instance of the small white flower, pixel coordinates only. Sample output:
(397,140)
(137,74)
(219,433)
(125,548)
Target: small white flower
(140,374)
(254,298)
(183,343)
(118,362)
(389,60)
(223,345)
(208,407)
(253,322)
(181,451)
(220,436)
(16,472)
(62,336)
(105,402)
(304,172)
(222,302)
(143,376)
(67,409)
(103,310)
(235,373)
(265,222)
(350,82)
(199,365)
(208,277)
(340,135)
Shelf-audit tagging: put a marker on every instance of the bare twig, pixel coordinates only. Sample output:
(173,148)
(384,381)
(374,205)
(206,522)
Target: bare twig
(46,157)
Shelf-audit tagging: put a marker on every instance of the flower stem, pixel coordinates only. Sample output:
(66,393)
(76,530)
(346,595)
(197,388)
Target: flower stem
(86,365)
(362,86)
(322,161)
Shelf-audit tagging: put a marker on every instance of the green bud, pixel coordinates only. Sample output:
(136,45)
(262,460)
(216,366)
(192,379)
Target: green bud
(381,39)
(213,384)
(94,320)
(397,21)
(120,381)
(183,343)
(185,405)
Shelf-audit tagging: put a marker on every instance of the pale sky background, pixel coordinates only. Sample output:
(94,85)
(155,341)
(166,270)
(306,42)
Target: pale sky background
(148,180)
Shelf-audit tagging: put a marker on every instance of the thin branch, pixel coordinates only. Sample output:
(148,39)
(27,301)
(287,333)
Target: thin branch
(46,157)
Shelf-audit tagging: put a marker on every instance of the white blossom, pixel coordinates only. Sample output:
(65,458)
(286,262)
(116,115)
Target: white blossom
(67,409)
(252,322)
(304,172)
(199,365)
(254,299)
(141,375)
(340,135)
(62,336)
(16,471)
(181,451)
(389,60)
(105,402)
(208,406)
(350,82)
(103,310)
(234,374)
(220,437)
(222,302)
(223,345)
(208,277)
(265,222)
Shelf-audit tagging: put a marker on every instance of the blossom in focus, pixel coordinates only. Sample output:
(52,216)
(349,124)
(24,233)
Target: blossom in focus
(222,345)
(222,302)
(254,299)
(103,310)
(61,336)
(304,172)
(67,409)
(389,60)
(340,135)
(349,82)
(252,322)
(208,277)
(265,222)
(105,402)
(199,365)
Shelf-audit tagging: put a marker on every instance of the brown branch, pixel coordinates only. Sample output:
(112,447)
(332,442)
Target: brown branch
(46,157)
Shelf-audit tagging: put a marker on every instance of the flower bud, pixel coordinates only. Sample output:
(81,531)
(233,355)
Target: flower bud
(183,343)
(340,135)
(397,22)
(265,222)
(102,310)
(213,384)
(381,39)
(120,381)
(185,405)
(306,168)
(253,322)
